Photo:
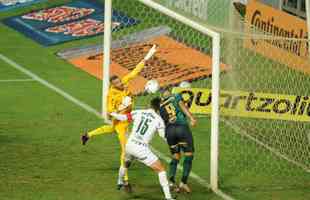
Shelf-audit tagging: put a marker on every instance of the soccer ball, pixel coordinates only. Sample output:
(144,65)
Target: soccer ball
(185,84)
(152,86)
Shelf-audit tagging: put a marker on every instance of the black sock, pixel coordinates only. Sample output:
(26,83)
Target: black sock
(187,167)
(173,169)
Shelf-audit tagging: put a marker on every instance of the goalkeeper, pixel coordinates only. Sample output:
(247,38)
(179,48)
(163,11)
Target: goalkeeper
(120,101)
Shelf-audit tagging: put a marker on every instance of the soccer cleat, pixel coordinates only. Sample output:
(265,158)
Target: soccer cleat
(184,187)
(127,188)
(119,186)
(84,138)
(173,187)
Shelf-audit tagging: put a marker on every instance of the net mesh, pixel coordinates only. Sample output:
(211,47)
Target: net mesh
(257,153)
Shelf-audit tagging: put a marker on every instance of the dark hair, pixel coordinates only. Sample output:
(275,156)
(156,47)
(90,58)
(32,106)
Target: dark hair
(163,92)
(155,103)
(164,89)
(113,77)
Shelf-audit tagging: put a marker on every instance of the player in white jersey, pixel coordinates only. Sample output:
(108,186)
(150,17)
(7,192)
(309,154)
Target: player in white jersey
(145,124)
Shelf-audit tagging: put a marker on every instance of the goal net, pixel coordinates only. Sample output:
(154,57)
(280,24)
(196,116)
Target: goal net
(264,141)
(266,144)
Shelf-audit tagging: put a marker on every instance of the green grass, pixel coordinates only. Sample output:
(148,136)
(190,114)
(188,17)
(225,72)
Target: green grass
(8,73)
(41,155)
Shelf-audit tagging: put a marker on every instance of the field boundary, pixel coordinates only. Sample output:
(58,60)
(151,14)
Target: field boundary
(17,80)
(88,108)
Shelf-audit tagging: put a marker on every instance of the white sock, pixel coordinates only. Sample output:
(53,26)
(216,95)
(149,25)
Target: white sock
(121,174)
(164,184)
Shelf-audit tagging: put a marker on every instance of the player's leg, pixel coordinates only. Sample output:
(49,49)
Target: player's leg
(106,129)
(162,176)
(132,151)
(121,130)
(172,141)
(151,160)
(187,145)
(123,171)
(173,166)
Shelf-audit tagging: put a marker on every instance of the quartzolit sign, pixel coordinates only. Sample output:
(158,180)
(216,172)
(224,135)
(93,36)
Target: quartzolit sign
(249,104)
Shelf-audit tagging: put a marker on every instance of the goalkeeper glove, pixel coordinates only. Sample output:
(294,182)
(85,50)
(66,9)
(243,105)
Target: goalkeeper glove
(126,102)
(150,53)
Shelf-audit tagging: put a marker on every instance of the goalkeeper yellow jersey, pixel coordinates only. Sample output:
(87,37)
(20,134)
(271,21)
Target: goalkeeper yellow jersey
(116,96)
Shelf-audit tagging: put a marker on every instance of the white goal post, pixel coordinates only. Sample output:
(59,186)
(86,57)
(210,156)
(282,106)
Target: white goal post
(215,73)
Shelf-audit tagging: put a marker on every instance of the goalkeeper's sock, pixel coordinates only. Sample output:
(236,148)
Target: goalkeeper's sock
(123,165)
(173,169)
(123,140)
(121,174)
(164,184)
(101,130)
(187,167)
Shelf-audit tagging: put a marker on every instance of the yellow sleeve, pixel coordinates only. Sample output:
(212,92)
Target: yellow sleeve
(133,73)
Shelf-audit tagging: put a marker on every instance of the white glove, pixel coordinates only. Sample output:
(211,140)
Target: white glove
(112,114)
(125,103)
(120,117)
(150,53)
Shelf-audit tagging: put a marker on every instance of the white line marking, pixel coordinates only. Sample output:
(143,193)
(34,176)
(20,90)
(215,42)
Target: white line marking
(50,86)
(193,175)
(16,80)
(94,111)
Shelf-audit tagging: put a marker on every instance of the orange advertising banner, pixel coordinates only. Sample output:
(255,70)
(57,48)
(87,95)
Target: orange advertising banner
(173,63)
(291,51)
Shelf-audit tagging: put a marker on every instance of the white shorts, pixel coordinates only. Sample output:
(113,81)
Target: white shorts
(141,152)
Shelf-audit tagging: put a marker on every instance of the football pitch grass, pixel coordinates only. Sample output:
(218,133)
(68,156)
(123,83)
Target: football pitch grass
(40,151)
(42,155)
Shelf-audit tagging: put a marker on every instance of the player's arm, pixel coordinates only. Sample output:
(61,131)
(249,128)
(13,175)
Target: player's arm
(161,133)
(120,117)
(161,130)
(139,67)
(186,111)
(123,117)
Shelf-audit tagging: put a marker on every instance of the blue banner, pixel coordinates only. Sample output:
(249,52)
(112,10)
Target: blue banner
(68,22)
(11,4)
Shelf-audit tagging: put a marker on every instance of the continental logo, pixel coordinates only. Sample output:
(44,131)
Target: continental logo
(292,50)
(268,24)
(249,104)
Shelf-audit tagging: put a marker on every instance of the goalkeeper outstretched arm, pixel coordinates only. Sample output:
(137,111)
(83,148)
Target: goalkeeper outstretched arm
(122,102)
(140,66)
